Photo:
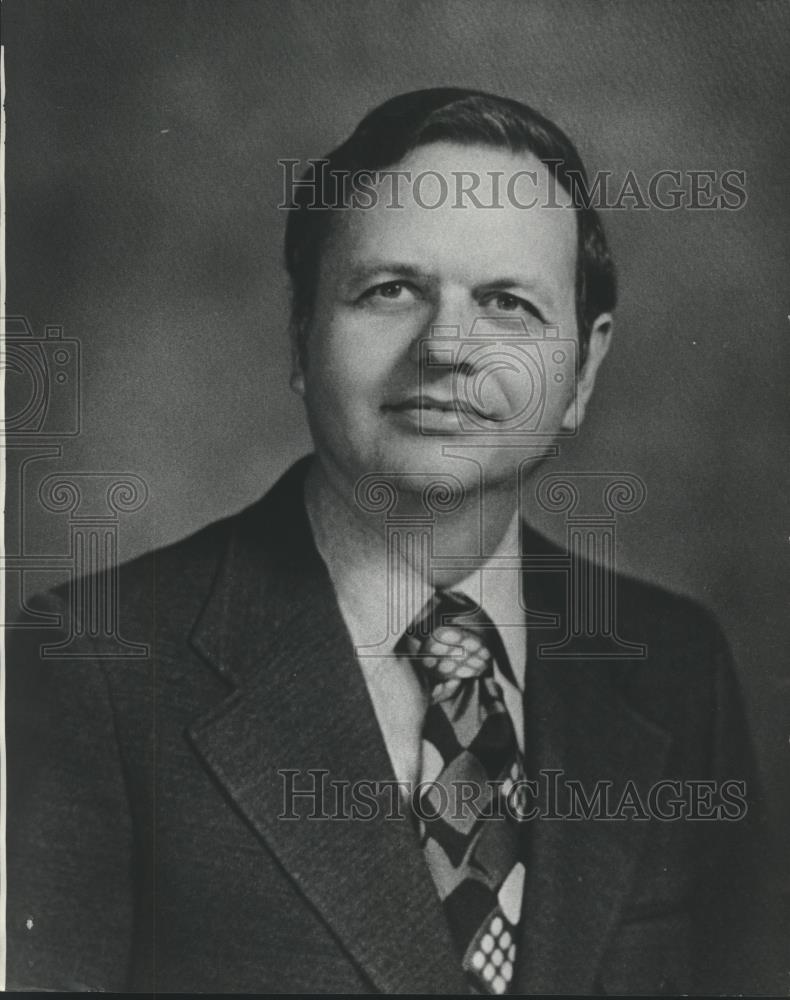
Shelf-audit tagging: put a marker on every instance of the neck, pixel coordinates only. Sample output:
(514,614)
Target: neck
(475,527)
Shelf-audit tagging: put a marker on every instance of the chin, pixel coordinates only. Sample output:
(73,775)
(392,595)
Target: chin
(420,472)
(420,457)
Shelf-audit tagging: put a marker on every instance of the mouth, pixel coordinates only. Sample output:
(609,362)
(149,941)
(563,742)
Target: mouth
(425,403)
(430,409)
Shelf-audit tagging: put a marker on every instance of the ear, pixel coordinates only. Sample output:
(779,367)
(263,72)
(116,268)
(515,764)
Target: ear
(600,338)
(297,337)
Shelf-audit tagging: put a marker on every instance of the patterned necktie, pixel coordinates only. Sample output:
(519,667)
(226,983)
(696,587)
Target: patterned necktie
(470,838)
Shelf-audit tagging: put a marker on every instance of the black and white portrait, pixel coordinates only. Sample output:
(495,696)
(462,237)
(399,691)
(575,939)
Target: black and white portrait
(397,546)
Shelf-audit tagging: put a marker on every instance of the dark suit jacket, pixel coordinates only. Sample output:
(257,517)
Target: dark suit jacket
(145,848)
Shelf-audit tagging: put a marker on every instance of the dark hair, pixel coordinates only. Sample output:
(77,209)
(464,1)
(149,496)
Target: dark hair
(471,117)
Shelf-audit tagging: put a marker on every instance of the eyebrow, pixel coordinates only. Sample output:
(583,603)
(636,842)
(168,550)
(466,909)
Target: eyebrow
(363,271)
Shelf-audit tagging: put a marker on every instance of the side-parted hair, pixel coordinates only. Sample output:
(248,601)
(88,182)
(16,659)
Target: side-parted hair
(448,114)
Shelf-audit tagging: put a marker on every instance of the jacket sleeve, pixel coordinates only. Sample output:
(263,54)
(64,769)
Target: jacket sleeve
(738,947)
(69,834)
(701,920)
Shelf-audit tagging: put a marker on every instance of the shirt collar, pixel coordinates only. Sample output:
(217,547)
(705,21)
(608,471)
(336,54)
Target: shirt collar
(358,567)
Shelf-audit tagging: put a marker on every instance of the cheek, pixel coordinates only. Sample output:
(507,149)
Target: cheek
(349,352)
(537,378)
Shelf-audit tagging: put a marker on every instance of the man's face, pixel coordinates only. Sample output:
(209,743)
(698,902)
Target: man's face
(464,279)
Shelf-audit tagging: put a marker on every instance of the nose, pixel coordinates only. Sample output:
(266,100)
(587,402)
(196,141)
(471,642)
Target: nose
(450,319)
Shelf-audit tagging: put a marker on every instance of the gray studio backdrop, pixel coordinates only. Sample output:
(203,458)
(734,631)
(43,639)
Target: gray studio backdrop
(142,218)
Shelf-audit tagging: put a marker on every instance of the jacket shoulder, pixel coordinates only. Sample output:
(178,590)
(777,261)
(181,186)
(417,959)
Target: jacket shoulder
(654,610)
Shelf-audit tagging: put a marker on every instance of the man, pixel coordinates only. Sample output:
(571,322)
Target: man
(383,620)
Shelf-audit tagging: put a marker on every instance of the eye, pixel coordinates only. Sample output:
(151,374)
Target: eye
(390,291)
(507,302)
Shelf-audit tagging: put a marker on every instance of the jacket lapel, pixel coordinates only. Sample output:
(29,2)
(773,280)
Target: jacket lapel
(579,872)
(273,628)
(299,703)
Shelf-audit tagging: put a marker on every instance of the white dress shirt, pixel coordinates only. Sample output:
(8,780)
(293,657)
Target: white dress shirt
(359,572)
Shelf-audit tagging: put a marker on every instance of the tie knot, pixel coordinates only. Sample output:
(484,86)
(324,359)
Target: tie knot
(447,643)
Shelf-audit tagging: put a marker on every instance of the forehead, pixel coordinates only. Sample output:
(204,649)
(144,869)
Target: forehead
(465,213)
